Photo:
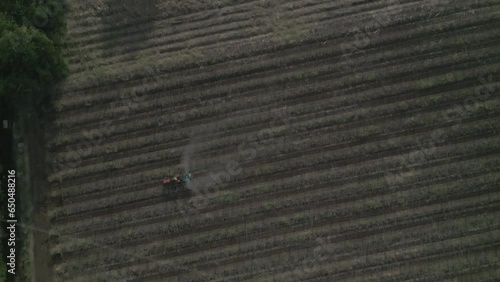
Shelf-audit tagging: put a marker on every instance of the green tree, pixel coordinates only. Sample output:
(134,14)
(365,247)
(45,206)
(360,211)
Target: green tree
(29,62)
(44,15)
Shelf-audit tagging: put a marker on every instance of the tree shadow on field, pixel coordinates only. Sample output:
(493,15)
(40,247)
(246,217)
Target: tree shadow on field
(128,24)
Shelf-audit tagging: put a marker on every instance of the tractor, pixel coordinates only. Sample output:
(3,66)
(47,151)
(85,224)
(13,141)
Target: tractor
(176,184)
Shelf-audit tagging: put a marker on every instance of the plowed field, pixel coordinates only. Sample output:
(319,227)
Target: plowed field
(345,140)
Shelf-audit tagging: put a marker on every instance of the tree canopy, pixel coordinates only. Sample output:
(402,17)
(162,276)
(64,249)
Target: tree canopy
(30,49)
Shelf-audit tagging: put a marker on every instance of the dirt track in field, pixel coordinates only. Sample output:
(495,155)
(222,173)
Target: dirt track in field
(378,131)
(38,228)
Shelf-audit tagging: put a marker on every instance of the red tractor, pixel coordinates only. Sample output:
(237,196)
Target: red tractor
(176,183)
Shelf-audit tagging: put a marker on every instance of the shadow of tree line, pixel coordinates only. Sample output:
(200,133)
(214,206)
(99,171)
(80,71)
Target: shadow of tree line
(138,16)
